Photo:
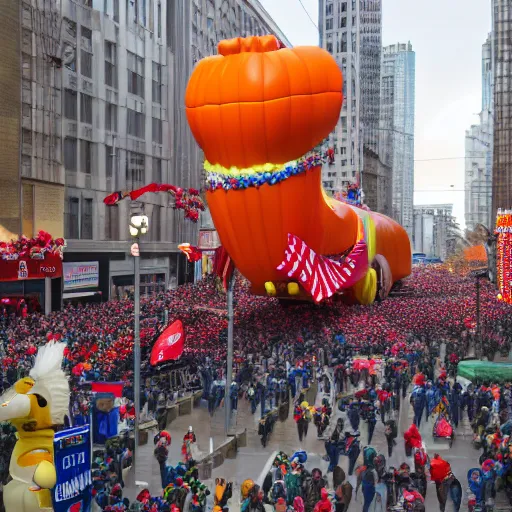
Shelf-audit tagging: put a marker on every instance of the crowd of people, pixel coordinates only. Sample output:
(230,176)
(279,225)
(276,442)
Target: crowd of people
(434,307)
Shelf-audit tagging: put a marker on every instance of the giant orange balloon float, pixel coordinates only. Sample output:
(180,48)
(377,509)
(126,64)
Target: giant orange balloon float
(258,110)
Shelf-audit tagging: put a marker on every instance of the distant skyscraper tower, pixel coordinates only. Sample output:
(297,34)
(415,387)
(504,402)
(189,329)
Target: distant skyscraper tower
(396,131)
(479,149)
(502,73)
(370,41)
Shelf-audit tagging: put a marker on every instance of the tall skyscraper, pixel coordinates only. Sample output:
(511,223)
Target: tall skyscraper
(339,27)
(502,82)
(370,61)
(352,32)
(479,149)
(396,131)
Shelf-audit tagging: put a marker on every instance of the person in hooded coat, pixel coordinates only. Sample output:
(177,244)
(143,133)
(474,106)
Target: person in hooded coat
(419,400)
(353,416)
(455,404)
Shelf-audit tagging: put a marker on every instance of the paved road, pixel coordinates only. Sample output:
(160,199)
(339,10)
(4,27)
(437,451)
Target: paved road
(251,460)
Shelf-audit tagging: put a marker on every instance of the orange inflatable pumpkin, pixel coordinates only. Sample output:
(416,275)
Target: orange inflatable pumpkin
(257,110)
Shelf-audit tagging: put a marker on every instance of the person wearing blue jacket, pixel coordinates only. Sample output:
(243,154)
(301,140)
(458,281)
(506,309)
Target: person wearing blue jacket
(419,400)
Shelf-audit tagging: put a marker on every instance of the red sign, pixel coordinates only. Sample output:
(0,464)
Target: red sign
(169,345)
(116,388)
(28,268)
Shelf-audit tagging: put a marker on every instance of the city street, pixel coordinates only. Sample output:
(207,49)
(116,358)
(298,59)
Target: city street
(252,460)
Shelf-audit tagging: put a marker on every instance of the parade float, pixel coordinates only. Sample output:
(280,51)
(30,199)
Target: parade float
(35,406)
(258,111)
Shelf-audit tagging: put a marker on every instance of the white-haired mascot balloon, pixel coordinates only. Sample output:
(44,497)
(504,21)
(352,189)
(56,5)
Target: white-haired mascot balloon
(35,405)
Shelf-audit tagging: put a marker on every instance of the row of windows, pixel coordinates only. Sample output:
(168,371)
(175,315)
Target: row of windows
(136,121)
(135,71)
(79,220)
(135,170)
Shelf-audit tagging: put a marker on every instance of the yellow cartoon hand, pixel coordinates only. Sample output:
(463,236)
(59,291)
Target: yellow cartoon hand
(45,476)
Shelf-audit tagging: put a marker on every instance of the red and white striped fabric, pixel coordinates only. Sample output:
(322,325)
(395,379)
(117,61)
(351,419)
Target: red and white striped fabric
(320,276)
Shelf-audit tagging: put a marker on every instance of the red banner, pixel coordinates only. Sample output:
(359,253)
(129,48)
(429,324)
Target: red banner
(169,345)
(28,268)
(116,388)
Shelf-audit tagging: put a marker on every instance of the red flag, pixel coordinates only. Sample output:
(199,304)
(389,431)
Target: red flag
(169,345)
(116,388)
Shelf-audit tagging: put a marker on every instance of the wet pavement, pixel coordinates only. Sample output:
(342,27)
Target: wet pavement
(252,459)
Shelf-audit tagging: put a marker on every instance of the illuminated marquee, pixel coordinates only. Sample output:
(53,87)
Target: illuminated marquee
(504,254)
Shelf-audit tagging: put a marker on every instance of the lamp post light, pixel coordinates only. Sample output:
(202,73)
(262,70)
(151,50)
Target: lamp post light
(138,226)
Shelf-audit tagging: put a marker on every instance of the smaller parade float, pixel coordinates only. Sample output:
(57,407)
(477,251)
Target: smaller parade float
(48,470)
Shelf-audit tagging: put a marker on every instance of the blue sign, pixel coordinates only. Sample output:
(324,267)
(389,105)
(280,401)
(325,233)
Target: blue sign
(340,338)
(72,459)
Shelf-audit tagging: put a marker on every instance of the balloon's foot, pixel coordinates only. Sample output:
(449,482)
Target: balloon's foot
(270,288)
(293,289)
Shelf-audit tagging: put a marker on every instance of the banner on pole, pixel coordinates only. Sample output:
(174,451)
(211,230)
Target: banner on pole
(72,458)
(169,345)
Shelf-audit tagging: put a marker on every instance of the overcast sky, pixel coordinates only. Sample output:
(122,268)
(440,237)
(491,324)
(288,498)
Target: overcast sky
(447,36)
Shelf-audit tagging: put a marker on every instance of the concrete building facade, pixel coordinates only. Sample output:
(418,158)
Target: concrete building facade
(396,130)
(377,183)
(340,34)
(93,102)
(478,152)
(433,226)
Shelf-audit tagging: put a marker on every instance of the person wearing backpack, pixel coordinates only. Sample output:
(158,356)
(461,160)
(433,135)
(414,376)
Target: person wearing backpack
(391,432)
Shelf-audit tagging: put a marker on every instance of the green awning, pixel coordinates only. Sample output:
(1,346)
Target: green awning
(485,370)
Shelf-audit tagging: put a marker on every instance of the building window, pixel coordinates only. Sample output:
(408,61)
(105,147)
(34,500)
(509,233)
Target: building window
(343,163)
(86,52)
(155,226)
(343,150)
(135,74)
(328,24)
(110,64)
(329,47)
(111,117)
(70,147)
(70,104)
(72,218)
(112,223)
(115,9)
(157,130)
(157,83)
(111,160)
(328,10)
(157,170)
(136,123)
(86,63)
(85,108)
(343,6)
(86,217)
(159,20)
(135,171)
(343,22)
(86,150)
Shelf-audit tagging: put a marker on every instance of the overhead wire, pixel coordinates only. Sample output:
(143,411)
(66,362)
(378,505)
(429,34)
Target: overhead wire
(309,16)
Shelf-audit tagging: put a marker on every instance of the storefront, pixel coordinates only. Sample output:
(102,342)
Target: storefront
(30,284)
(157,275)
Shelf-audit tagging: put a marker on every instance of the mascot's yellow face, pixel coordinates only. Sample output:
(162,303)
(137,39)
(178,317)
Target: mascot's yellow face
(28,412)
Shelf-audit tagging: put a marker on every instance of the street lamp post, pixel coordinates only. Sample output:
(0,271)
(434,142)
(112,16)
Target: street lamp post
(138,226)
(229,370)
